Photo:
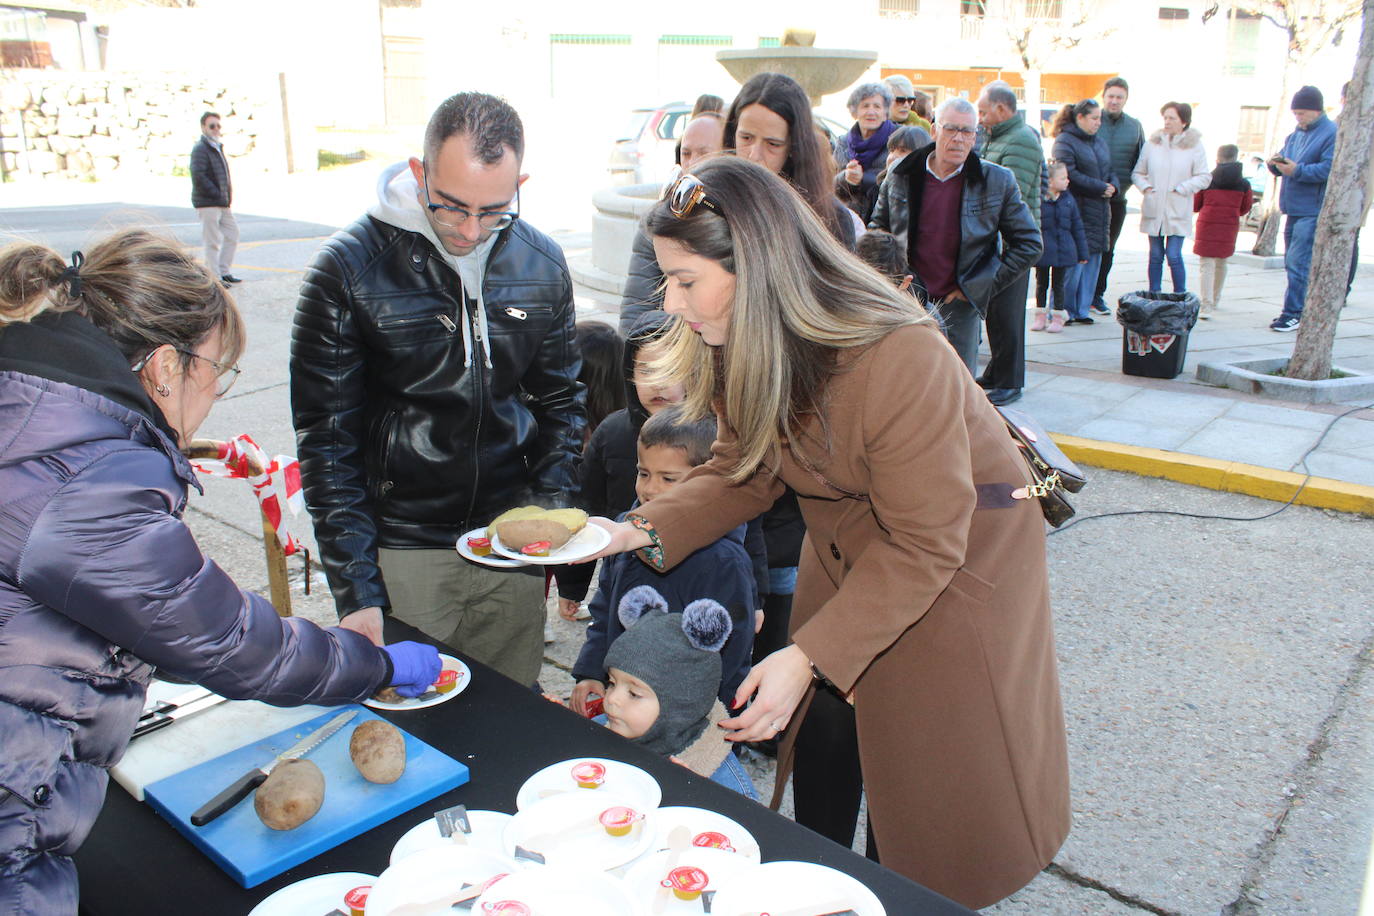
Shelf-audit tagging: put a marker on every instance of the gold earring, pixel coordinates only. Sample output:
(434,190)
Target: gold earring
(163,390)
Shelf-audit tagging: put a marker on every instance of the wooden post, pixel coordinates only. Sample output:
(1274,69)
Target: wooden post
(278,585)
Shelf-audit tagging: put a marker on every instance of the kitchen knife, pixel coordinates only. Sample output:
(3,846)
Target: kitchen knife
(249,781)
(163,719)
(181,699)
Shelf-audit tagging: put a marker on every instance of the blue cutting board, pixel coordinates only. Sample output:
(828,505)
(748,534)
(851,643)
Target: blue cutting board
(250,851)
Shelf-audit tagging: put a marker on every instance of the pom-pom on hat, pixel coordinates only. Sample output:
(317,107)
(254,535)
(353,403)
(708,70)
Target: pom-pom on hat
(1308,98)
(678,656)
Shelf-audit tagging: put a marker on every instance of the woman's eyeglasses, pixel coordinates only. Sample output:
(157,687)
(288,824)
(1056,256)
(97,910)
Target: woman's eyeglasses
(904,99)
(455,217)
(225,375)
(684,194)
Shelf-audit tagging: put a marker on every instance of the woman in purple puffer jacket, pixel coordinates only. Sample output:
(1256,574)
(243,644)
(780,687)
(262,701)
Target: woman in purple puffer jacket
(106,367)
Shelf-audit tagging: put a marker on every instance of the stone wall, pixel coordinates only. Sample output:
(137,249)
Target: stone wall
(94,124)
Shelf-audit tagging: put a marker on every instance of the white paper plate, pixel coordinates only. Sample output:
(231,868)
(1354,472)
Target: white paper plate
(784,885)
(565,830)
(621,779)
(319,894)
(487,830)
(643,879)
(592,539)
(559,891)
(700,821)
(449,662)
(432,872)
(490,559)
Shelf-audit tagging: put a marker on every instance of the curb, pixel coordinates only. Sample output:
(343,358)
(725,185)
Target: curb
(1217,474)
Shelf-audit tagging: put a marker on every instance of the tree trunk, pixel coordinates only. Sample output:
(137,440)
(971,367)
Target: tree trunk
(1339,222)
(1267,238)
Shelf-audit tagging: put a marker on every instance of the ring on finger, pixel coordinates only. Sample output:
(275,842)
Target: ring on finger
(775,726)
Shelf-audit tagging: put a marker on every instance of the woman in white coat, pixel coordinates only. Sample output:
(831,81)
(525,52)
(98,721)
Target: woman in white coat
(1171,168)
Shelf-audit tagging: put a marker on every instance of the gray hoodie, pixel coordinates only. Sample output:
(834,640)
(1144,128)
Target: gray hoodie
(398,204)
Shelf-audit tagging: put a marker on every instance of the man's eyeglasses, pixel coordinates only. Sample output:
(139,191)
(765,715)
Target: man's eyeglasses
(455,217)
(213,125)
(225,375)
(958,129)
(904,99)
(684,194)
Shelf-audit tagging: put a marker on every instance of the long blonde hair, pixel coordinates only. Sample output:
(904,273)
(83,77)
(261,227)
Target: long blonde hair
(800,299)
(139,288)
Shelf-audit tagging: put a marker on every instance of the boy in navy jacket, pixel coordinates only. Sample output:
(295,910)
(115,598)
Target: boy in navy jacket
(669,447)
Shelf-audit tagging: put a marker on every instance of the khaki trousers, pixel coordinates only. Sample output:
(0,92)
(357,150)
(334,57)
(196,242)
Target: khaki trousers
(1213,278)
(495,616)
(220,232)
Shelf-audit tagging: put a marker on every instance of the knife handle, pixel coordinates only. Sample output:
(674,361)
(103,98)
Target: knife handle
(228,798)
(151,724)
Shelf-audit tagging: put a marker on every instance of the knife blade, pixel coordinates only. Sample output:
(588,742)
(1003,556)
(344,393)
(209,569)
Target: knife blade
(163,719)
(241,787)
(181,699)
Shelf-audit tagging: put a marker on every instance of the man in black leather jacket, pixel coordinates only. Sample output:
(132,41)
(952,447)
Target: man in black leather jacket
(433,386)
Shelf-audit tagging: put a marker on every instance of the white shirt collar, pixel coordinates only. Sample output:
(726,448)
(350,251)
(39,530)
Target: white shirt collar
(931,171)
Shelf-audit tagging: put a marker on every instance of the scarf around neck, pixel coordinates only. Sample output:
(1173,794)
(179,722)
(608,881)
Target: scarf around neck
(866,150)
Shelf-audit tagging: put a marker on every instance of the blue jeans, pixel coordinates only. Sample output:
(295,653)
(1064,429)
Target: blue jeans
(1083,286)
(1298,232)
(1170,247)
(732,774)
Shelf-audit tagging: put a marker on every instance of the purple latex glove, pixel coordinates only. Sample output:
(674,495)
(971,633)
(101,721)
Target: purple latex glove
(415,667)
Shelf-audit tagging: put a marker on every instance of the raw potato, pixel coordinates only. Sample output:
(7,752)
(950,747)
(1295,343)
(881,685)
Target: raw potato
(291,795)
(529,524)
(378,751)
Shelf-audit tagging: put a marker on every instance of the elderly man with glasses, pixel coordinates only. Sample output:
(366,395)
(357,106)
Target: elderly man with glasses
(966,231)
(434,386)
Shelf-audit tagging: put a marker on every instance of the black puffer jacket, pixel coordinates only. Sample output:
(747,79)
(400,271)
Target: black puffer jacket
(1090,171)
(400,444)
(210,185)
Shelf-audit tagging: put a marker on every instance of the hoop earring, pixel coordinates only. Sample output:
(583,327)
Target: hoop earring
(163,390)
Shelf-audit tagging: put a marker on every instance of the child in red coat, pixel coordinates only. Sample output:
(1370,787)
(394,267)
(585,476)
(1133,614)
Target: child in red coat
(1219,208)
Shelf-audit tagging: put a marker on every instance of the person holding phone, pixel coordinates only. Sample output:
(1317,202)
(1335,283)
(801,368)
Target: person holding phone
(1304,164)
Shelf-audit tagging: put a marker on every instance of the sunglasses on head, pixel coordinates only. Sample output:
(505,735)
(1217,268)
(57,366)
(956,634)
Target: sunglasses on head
(684,194)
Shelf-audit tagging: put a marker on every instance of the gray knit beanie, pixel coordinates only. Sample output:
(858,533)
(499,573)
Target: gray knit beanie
(678,656)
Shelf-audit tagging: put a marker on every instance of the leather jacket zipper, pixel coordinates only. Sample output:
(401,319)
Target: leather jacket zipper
(478,375)
(447,322)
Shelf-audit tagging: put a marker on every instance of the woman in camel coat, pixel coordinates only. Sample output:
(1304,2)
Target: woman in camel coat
(1172,167)
(923,596)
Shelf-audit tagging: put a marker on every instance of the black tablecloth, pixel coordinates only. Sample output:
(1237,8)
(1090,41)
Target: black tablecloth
(134,861)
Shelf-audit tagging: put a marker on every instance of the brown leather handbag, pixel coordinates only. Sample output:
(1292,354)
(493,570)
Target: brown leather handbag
(1053,473)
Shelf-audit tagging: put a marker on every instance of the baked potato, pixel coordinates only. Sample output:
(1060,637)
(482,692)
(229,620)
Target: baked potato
(378,750)
(529,524)
(291,795)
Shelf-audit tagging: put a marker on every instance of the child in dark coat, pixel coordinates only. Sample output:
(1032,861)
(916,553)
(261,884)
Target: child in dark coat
(1066,247)
(669,447)
(1220,207)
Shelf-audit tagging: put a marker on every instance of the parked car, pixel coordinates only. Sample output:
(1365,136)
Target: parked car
(646,149)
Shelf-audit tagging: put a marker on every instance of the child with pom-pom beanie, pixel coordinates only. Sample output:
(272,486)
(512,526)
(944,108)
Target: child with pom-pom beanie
(663,675)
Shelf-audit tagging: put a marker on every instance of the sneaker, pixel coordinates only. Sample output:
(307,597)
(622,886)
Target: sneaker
(1056,323)
(1038,322)
(1283,325)
(1100,307)
(230,278)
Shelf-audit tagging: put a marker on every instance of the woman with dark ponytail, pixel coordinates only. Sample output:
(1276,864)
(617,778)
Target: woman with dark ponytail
(107,367)
(1092,184)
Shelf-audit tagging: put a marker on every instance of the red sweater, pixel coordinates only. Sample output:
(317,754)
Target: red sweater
(937,235)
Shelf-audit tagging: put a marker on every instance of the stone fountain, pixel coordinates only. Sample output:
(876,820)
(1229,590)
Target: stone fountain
(820,71)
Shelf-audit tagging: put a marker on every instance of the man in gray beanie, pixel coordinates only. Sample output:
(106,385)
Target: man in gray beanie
(1304,164)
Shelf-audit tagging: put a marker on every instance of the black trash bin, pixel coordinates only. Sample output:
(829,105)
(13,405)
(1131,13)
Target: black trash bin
(1154,335)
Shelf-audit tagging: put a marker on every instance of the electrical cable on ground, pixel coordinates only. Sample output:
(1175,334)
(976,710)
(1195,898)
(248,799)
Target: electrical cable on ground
(1302,463)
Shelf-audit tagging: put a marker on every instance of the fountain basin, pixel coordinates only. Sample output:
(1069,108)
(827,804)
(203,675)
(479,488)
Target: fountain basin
(820,71)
